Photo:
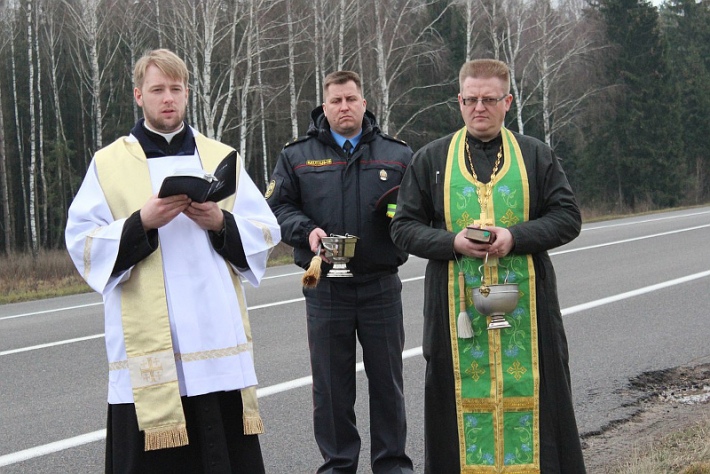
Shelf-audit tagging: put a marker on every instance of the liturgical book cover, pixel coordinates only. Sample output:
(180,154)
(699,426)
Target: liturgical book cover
(201,186)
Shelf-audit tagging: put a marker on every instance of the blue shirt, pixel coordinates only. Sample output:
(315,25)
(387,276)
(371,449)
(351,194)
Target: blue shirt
(340,140)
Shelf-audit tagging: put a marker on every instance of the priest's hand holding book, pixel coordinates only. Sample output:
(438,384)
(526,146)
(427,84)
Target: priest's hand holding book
(475,242)
(158,211)
(194,192)
(207,215)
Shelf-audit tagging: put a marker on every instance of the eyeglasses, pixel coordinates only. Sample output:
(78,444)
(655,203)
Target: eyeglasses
(486,101)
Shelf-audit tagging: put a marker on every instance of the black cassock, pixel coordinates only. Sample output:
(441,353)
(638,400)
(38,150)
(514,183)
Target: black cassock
(419,228)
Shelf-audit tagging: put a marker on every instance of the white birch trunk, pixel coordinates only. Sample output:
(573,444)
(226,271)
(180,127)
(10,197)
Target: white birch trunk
(515,17)
(470,20)
(234,64)
(4,189)
(18,131)
(381,67)
(262,108)
(44,219)
(246,86)
(33,137)
(341,36)
(158,23)
(209,16)
(292,71)
(92,29)
(317,50)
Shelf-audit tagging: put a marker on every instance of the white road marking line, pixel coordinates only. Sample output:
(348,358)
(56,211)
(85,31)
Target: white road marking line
(49,448)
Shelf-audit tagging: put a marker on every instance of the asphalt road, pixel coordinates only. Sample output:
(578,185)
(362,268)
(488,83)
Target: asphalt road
(635,294)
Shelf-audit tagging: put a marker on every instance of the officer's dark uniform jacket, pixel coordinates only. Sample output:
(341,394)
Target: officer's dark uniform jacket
(315,184)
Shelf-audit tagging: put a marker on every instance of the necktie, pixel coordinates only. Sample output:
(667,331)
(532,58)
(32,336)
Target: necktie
(347,146)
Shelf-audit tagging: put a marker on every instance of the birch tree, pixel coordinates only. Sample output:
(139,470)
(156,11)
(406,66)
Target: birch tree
(4,188)
(31,171)
(560,44)
(291,41)
(41,157)
(86,25)
(214,48)
(515,44)
(7,15)
(399,48)
(246,84)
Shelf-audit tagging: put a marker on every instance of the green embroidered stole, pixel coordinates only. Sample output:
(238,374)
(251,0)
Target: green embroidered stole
(496,372)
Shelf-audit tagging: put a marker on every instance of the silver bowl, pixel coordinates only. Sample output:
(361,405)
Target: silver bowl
(339,249)
(496,301)
(339,246)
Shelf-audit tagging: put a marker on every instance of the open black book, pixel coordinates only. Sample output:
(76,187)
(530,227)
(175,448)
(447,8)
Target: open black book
(201,186)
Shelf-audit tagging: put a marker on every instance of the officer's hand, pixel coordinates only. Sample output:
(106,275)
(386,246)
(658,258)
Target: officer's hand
(157,212)
(314,239)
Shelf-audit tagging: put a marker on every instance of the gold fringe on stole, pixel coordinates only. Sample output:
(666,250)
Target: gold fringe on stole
(145,317)
(253,423)
(168,437)
(251,418)
(144,310)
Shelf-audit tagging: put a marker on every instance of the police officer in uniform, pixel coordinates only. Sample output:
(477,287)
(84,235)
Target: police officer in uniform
(337,180)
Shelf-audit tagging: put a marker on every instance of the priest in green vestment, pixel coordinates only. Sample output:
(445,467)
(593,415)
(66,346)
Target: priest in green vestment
(496,400)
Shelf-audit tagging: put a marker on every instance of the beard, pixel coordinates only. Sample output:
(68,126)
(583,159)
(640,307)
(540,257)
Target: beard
(162,124)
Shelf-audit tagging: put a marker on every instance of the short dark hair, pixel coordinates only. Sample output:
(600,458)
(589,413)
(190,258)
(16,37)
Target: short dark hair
(485,68)
(341,77)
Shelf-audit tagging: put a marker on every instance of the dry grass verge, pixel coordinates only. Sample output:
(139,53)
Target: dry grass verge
(684,451)
(52,273)
(670,433)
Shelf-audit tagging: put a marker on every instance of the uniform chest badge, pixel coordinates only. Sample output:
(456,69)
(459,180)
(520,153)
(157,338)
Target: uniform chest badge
(383,175)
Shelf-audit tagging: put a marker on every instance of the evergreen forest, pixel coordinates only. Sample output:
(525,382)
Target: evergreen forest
(619,88)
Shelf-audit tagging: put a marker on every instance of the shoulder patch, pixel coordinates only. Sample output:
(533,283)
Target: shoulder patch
(270,189)
(297,140)
(393,139)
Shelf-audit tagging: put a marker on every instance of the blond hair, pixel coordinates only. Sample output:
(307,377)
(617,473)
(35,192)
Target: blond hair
(485,69)
(168,62)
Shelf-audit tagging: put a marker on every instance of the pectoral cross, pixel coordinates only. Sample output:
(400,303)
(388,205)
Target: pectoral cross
(484,221)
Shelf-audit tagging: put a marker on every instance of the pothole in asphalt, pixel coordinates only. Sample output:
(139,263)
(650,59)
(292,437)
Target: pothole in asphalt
(686,385)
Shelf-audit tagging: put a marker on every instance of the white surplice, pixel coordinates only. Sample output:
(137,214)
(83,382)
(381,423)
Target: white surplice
(212,352)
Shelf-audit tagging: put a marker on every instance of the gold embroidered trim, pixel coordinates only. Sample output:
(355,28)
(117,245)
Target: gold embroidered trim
(489,404)
(214,353)
(265,231)
(194,356)
(87,252)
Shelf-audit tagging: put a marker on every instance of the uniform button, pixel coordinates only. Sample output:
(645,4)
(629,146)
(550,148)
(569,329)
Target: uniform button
(209,427)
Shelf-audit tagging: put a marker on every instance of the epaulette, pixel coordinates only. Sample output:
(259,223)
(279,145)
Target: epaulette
(393,139)
(297,140)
